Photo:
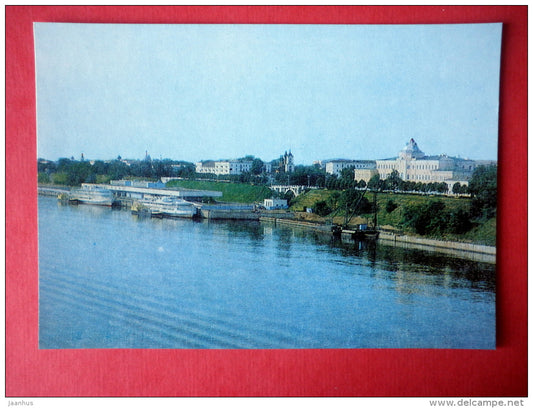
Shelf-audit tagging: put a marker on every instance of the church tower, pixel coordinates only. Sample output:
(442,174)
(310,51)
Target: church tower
(288,162)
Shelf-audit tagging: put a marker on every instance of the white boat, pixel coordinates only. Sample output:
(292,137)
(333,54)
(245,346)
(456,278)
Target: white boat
(169,207)
(92,194)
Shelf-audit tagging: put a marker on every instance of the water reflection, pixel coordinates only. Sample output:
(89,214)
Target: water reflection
(126,281)
(410,267)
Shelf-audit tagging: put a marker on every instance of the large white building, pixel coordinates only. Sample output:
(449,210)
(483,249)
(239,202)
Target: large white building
(413,165)
(218,167)
(336,166)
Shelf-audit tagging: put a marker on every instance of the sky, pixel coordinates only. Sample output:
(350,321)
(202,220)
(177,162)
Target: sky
(198,92)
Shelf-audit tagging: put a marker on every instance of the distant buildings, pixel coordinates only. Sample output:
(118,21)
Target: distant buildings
(234,167)
(285,164)
(413,165)
(336,166)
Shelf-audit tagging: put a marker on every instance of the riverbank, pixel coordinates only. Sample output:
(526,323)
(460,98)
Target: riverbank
(473,252)
(393,210)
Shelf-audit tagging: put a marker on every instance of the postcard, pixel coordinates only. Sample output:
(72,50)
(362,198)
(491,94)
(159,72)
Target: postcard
(267,186)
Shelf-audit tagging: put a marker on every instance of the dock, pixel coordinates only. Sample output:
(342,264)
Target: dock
(136,193)
(128,194)
(52,191)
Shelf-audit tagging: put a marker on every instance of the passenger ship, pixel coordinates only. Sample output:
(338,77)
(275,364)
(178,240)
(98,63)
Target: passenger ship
(166,207)
(92,194)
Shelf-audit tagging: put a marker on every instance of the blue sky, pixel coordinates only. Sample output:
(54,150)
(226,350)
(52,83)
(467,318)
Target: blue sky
(195,92)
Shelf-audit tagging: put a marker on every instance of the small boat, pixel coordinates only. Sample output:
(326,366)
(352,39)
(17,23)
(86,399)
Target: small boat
(166,207)
(140,209)
(91,194)
(358,234)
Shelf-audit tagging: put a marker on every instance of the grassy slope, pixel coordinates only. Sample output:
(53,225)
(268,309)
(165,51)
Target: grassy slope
(231,192)
(483,234)
(246,193)
(309,198)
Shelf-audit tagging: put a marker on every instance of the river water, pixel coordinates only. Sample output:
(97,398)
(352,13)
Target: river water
(108,279)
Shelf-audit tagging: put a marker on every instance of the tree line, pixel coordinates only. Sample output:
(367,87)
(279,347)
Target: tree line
(74,172)
(432,217)
(481,187)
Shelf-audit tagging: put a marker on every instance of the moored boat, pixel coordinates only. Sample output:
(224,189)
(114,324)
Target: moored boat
(91,194)
(166,207)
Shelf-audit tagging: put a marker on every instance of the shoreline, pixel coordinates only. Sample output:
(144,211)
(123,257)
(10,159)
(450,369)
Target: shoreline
(475,252)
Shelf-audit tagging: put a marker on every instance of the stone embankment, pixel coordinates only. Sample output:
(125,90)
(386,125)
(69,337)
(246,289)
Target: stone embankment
(475,252)
(288,219)
(230,215)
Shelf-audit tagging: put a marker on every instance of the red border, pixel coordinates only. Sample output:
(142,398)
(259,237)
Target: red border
(31,372)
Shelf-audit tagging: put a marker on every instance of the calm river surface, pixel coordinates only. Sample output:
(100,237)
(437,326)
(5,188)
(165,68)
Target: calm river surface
(108,279)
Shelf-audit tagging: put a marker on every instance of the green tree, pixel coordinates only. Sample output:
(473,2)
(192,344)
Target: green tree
(353,202)
(483,189)
(45,166)
(60,178)
(430,218)
(117,170)
(375,183)
(347,176)
(331,181)
(257,166)
(393,181)
(459,221)
(390,206)
(79,172)
(333,200)
(100,167)
(321,208)
(43,178)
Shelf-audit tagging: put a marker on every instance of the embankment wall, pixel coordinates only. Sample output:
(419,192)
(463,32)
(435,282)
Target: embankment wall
(482,253)
(230,215)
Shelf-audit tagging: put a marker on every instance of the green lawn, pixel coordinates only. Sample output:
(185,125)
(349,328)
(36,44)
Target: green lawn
(309,198)
(231,192)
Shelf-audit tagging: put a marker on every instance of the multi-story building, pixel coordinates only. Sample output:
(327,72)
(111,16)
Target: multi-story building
(413,165)
(336,166)
(218,167)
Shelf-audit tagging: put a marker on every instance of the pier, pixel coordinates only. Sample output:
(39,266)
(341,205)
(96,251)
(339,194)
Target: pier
(52,191)
(121,192)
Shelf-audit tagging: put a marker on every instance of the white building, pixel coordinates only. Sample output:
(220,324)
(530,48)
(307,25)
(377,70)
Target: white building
(234,167)
(413,165)
(336,166)
(275,204)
